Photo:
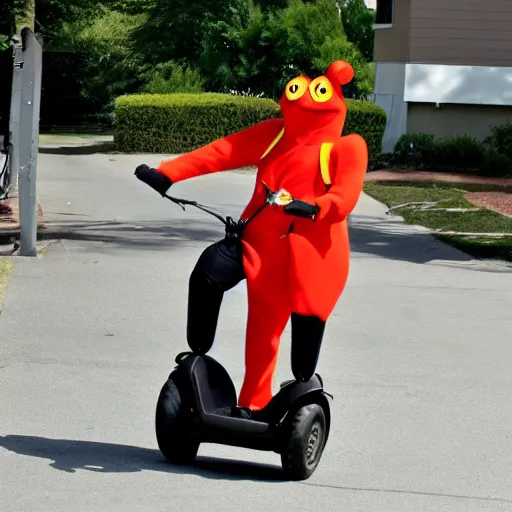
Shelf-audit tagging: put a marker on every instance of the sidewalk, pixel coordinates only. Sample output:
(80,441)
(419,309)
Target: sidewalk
(53,143)
(69,144)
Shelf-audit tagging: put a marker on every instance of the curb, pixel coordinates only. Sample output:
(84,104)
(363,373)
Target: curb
(77,149)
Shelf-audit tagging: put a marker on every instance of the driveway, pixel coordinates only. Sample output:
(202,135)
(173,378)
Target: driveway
(418,355)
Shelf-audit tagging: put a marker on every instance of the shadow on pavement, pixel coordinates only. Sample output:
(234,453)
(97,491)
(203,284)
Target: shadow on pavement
(393,240)
(368,235)
(140,235)
(80,149)
(69,456)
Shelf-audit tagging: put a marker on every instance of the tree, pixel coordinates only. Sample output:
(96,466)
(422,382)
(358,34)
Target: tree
(234,53)
(313,38)
(262,51)
(50,15)
(358,23)
(109,68)
(25,17)
(15,15)
(275,5)
(120,46)
(130,6)
(176,29)
(271,5)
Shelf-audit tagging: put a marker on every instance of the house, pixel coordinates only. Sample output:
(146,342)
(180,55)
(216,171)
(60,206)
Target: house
(443,66)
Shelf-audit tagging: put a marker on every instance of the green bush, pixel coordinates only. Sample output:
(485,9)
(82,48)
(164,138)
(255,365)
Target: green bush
(457,154)
(424,151)
(369,121)
(500,139)
(414,142)
(495,165)
(382,161)
(171,77)
(4,43)
(464,153)
(418,149)
(178,123)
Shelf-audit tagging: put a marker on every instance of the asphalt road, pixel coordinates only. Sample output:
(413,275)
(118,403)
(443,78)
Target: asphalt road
(418,356)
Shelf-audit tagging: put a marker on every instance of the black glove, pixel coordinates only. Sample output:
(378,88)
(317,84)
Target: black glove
(153,178)
(301,209)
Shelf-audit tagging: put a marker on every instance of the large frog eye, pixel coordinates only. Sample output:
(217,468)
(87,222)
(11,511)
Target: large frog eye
(296,88)
(321,89)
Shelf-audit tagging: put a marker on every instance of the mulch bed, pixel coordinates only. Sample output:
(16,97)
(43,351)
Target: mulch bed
(6,214)
(500,202)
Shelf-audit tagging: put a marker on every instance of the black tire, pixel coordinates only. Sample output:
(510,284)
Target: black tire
(172,423)
(304,442)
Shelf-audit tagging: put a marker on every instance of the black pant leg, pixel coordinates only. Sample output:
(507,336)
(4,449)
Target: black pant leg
(219,268)
(307,336)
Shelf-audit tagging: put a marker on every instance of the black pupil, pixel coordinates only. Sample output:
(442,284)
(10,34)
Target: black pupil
(294,88)
(323,90)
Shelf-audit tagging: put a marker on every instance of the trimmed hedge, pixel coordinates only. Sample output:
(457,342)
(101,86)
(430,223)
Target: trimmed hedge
(178,123)
(369,121)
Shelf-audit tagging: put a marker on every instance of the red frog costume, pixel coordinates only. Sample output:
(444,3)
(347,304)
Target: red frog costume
(296,258)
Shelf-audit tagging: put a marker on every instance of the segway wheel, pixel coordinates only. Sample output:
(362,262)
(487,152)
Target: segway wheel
(304,442)
(173,433)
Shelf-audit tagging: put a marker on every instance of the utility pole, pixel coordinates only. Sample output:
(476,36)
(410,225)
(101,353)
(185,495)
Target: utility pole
(28,141)
(24,121)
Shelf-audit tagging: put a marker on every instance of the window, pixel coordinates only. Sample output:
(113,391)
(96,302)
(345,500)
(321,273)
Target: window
(384,14)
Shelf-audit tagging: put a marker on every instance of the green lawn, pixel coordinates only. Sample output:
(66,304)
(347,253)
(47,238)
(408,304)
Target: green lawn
(484,221)
(5,271)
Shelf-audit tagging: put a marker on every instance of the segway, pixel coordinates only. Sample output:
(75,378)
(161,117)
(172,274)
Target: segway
(198,403)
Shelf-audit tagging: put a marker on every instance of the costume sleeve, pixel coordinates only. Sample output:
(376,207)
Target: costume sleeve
(241,149)
(348,166)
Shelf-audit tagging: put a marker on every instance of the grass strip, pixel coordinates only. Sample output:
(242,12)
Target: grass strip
(393,193)
(5,271)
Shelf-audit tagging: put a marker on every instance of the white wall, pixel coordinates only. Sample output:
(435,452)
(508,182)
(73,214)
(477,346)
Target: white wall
(389,94)
(469,85)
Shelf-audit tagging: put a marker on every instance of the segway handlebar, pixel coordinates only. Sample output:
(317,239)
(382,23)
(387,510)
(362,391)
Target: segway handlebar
(278,198)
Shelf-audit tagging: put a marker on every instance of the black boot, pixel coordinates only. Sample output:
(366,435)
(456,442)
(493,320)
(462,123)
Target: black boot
(307,335)
(204,302)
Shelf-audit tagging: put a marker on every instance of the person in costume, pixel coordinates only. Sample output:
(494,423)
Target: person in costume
(295,258)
